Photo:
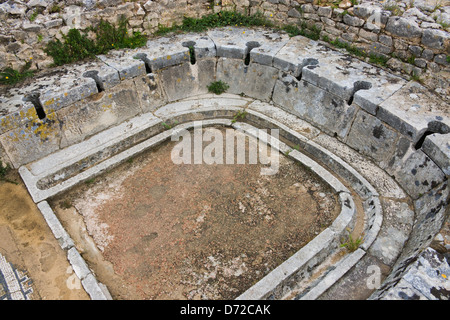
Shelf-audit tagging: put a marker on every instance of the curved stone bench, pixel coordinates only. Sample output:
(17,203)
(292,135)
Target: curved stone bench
(382,138)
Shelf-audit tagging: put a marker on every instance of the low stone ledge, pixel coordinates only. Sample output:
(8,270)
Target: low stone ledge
(413,110)
(333,276)
(437,147)
(55,225)
(278,282)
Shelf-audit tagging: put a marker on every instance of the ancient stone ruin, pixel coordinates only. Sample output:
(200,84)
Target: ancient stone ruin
(377,136)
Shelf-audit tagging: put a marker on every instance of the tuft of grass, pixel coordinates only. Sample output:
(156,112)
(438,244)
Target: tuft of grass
(34,15)
(411,60)
(192,54)
(218,87)
(393,8)
(311,33)
(55,9)
(4,170)
(352,244)
(90,181)
(415,77)
(241,114)
(65,204)
(76,45)
(443,24)
(168,126)
(11,76)
(438,5)
(216,20)
(377,59)
(349,48)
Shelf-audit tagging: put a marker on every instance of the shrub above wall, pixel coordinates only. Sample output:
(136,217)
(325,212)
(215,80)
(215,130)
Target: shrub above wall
(369,29)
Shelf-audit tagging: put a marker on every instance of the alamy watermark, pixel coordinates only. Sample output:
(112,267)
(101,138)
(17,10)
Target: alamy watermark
(374,279)
(210,146)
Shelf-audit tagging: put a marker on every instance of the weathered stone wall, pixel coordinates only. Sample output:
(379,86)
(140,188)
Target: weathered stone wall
(411,35)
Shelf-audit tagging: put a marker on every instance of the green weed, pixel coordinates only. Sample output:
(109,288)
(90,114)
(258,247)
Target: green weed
(168,126)
(218,87)
(76,45)
(415,77)
(241,114)
(352,244)
(11,76)
(4,170)
(377,59)
(311,33)
(216,20)
(65,204)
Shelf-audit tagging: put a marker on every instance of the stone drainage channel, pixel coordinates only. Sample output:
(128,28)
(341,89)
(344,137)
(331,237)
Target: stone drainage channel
(378,141)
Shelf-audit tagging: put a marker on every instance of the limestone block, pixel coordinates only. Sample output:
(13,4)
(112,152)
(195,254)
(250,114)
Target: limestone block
(150,92)
(269,45)
(15,112)
(352,79)
(337,73)
(169,51)
(402,291)
(254,80)
(324,110)
(236,43)
(413,110)
(125,63)
(34,140)
(186,80)
(428,275)
(353,21)
(435,39)
(425,279)
(104,75)
(325,11)
(437,147)
(295,55)
(371,137)
(365,10)
(403,27)
(13,8)
(415,172)
(65,91)
(96,113)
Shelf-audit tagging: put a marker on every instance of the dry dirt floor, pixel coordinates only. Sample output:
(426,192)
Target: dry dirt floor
(28,244)
(152,229)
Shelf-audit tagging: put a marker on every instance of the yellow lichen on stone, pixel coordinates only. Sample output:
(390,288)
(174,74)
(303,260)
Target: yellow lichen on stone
(49,102)
(106,107)
(47,129)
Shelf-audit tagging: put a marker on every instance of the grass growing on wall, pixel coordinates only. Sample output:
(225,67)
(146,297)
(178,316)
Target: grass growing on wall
(216,20)
(11,76)
(76,45)
(218,87)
